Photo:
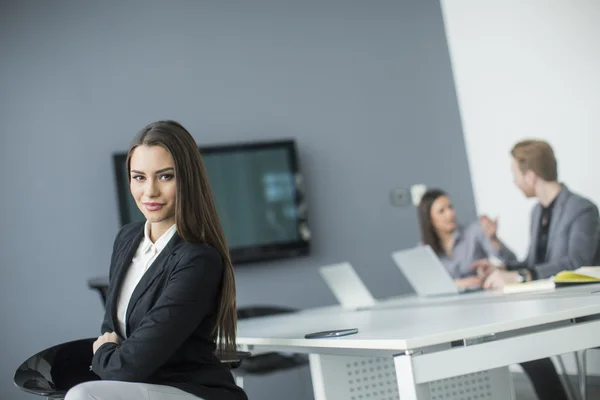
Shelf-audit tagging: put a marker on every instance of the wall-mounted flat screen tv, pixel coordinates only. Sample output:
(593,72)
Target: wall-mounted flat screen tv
(258,189)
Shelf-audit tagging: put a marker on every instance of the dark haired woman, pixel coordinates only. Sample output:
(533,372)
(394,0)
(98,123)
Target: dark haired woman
(171,296)
(457,246)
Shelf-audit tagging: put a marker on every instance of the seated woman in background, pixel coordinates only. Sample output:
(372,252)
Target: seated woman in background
(458,247)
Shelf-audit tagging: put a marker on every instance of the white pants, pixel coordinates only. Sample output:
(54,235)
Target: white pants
(115,390)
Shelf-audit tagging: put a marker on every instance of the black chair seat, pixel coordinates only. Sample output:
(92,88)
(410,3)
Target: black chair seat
(53,371)
(263,364)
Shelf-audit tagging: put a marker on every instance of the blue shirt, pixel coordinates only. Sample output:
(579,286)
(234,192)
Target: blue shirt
(470,245)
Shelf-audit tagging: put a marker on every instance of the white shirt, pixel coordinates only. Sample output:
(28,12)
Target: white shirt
(143,258)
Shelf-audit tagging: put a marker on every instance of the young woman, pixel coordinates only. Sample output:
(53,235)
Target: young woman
(171,296)
(458,247)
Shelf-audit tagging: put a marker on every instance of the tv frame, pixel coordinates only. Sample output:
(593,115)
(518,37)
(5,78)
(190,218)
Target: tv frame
(249,254)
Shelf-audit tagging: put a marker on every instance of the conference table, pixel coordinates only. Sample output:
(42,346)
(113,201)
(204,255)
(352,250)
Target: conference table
(455,347)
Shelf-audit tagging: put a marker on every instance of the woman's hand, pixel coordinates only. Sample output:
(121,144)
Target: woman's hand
(108,337)
(469,282)
(483,267)
(497,279)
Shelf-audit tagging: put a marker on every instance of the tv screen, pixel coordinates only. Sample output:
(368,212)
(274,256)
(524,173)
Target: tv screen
(257,188)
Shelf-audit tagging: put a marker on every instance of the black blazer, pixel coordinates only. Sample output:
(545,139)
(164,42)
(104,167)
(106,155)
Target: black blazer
(169,320)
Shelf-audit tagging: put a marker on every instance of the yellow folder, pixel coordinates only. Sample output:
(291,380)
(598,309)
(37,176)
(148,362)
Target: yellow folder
(581,275)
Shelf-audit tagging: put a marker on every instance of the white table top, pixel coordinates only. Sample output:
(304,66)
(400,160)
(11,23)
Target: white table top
(410,325)
(488,296)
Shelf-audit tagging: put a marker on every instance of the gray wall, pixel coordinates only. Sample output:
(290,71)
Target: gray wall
(365,87)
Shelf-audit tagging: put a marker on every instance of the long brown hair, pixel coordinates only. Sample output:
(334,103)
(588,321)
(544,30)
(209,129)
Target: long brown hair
(195,213)
(428,234)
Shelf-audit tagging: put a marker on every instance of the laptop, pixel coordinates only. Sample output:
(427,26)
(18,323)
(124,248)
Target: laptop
(347,287)
(426,273)
(351,292)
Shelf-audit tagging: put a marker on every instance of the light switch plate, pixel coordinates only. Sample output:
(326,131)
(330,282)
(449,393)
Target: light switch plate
(400,197)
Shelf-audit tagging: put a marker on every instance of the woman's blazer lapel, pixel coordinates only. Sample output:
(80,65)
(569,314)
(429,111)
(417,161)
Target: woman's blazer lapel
(122,264)
(154,271)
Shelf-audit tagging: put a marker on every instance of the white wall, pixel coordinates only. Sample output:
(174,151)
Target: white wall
(526,68)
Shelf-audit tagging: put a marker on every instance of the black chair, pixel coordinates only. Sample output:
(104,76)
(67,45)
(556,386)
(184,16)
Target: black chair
(266,363)
(101,286)
(53,371)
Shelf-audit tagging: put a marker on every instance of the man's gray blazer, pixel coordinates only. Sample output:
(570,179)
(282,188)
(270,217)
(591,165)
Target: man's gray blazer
(573,237)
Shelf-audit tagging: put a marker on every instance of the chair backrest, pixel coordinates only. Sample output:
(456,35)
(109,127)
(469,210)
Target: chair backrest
(100,285)
(262,311)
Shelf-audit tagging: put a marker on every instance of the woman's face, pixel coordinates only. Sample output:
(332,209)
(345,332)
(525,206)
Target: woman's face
(152,183)
(443,216)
